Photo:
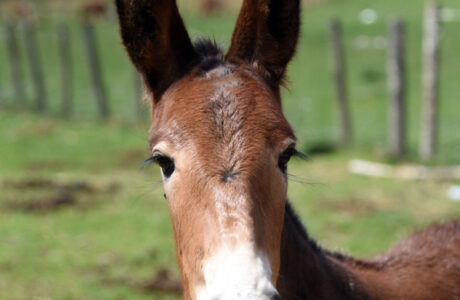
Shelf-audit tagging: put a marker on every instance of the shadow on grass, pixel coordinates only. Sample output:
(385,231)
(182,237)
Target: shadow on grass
(46,195)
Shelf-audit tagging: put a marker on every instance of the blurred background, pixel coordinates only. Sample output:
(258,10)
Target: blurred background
(80,220)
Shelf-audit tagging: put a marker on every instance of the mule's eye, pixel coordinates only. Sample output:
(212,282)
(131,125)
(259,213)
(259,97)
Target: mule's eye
(166,164)
(284,159)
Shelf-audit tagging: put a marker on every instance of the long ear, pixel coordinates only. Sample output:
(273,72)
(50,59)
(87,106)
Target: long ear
(156,40)
(266,36)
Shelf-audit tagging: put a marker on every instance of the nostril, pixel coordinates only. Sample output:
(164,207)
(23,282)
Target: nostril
(275,296)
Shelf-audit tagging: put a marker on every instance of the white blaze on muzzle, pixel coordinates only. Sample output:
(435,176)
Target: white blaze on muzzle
(237,274)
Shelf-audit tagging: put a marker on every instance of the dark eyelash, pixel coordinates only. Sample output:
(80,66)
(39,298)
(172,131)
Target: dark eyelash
(300,154)
(295,152)
(148,161)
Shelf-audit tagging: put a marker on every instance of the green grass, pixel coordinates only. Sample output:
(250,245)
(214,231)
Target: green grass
(111,241)
(118,235)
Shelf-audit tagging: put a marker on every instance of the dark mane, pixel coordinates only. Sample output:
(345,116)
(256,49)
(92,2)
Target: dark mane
(211,55)
(314,244)
(301,228)
(309,258)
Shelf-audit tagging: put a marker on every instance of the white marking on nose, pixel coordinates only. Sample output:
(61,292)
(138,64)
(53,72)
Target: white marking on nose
(237,274)
(229,206)
(238,270)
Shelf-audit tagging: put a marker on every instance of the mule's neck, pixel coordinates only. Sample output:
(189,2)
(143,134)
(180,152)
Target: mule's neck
(309,272)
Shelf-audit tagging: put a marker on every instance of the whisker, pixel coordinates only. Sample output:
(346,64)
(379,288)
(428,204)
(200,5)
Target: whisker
(302,180)
(146,189)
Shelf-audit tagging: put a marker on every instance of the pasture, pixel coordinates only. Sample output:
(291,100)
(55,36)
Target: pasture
(79,220)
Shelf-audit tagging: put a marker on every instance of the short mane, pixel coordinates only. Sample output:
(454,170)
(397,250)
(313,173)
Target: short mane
(211,55)
(314,244)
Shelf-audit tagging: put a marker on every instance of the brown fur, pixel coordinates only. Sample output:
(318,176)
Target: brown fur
(266,37)
(157,41)
(220,120)
(219,155)
(422,267)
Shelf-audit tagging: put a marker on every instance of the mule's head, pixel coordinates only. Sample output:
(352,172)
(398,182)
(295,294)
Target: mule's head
(221,139)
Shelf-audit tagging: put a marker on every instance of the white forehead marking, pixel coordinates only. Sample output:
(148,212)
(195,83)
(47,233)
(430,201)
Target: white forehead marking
(229,207)
(219,72)
(238,274)
(237,271)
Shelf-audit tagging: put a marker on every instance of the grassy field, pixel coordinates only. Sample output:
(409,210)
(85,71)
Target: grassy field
(79,220)
(112,234)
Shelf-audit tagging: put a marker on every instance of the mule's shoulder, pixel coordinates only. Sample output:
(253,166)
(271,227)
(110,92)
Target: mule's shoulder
(438,239)
(428,248)
(424,266)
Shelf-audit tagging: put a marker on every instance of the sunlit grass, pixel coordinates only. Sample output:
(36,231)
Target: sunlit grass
(116,236)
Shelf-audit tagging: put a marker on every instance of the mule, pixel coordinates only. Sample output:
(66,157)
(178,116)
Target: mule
(219,135)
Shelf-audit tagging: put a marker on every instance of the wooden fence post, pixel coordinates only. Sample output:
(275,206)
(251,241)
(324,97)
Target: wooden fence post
(396,85)
(17,77)
(138,92)
(430,82)
(66,70)
(1,89)
(339,70)
(35,66)
(95,70)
